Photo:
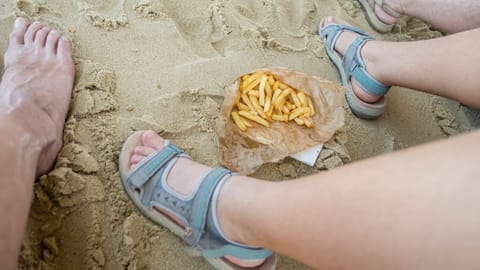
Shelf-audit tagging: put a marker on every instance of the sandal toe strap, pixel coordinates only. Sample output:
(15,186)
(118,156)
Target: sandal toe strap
(152,164)
(331,32)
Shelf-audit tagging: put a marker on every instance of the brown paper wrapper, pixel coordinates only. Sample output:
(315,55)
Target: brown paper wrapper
(244,152)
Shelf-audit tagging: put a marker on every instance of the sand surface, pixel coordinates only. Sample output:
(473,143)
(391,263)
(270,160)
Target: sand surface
(164,65)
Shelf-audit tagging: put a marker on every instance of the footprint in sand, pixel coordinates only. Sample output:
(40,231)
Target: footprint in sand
(33,9)
(201,28)
(296,16)
(198,111)
(50,14)
(277,22)
(191,125)
(106,14)
(256,13)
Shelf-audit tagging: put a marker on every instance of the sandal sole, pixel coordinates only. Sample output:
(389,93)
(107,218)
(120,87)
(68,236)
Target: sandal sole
(373,20)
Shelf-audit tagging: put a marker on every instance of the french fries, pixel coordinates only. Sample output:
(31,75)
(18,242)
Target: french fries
(238,121)
(262,99)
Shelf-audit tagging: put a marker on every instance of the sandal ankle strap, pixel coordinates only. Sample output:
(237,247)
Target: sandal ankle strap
(352,61)
(355,66)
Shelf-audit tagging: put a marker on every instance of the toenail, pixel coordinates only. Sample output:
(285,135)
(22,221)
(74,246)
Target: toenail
(18,21)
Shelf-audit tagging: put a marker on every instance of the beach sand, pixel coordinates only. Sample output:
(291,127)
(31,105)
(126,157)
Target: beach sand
(164,65)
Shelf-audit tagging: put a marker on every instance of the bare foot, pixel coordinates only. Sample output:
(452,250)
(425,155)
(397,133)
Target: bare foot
(36,86)
(183,179)
(343,42)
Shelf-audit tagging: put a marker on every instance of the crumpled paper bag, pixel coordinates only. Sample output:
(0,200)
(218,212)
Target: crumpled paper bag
(244,152)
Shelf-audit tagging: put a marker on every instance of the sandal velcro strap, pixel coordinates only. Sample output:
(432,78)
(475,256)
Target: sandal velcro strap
(152,164)
(368,83)
(354,65)
(201,203)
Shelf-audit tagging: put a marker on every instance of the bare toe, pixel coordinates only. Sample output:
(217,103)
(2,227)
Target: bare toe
(52,41)
(140,153)
(333,20)
(143,151)
(18,33)
(136,159)
(64,51)
(32,32)
(41,37)
(151,139)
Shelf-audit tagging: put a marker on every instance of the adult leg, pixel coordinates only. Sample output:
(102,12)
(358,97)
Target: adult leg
(34,97)
(448,16)
(413,209)
(445,66)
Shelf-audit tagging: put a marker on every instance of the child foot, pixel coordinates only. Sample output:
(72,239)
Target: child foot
(343,42)
(183,178)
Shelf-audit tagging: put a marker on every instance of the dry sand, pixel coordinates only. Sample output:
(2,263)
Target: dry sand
(137,61)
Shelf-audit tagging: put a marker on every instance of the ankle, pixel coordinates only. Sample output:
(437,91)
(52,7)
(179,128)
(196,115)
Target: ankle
(373,57)
(229,214)
(16,134)
(28,123)
(373,65)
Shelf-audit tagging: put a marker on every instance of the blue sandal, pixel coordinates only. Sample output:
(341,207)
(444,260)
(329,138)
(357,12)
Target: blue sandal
(352,65)
(369,7)
(146,185)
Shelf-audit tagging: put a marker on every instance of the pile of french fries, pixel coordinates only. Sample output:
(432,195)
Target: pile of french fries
(262,98)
